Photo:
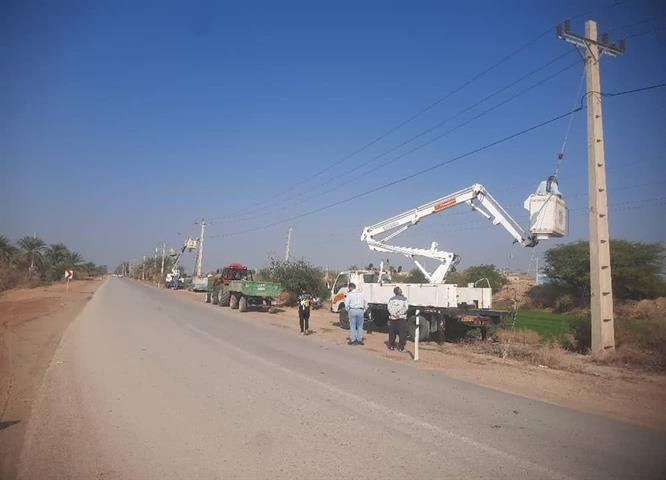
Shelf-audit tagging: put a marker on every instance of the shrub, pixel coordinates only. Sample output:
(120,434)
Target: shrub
(544,296)
(636,269)
(564,303)
(294,275)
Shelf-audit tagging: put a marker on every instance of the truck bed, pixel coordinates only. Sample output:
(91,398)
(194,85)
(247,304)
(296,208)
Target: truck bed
(440,295)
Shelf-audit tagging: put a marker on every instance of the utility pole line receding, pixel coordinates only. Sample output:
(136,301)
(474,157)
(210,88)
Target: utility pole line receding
(288,249)
(200,251)
(601,287)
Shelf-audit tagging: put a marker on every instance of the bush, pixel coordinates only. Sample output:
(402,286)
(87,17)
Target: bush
(479,272)
(564,303)
(415,276)
(295,275)
(636,269)
(545,296)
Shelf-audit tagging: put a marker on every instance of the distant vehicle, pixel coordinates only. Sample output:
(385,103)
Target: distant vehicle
(234,287)
(199,284)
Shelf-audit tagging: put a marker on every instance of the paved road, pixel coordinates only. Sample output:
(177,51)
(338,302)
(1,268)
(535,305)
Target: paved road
(147,385)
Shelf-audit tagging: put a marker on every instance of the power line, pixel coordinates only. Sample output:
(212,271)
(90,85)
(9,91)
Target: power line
(456,115)
(441,123)
(428,169)
(410,176)
(619,94)
(254,207)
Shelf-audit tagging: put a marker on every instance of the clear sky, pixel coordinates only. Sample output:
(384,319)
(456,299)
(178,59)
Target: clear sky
(124,122)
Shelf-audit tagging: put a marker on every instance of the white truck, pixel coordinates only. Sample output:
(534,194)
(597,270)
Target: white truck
(439,303)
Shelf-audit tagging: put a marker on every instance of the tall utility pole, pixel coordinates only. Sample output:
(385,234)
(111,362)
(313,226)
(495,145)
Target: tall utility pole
(200,251)
(288,249)
(163,255)
(601,287)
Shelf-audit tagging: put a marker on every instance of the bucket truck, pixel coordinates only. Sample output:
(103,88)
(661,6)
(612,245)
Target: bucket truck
(440,303)
(173,279)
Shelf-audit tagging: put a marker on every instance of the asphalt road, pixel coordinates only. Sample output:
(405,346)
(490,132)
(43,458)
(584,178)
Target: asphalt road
(147,385)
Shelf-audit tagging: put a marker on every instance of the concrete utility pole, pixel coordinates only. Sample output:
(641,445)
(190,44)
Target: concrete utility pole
(200,251)
(601,287)
(287,252)
(163,255)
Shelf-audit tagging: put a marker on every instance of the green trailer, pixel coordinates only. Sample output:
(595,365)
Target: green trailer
(246,293)
(242,294)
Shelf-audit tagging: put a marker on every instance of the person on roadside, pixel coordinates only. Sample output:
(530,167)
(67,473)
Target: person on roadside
(397,309)
(356,305)
(304,304)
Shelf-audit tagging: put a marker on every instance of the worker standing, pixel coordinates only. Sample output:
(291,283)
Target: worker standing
(397,309)
(304,304)
(356,304)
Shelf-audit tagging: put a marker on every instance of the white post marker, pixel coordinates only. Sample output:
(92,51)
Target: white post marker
(416,337)
(68,277)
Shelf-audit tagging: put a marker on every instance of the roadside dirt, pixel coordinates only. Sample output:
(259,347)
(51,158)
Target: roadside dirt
(32,321)
(623,394)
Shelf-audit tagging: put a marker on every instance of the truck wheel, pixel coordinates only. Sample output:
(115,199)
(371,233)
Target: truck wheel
(225,296)
(484,333)
(233,302)
(424,327)
(242,304)
(208,297)
(215,297)
(343,315)
(378,317)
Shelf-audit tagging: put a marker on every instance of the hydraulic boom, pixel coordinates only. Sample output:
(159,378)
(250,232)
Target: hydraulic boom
(479,200)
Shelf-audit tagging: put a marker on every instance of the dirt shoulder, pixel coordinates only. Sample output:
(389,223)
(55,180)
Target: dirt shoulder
(32,322)
(628,395)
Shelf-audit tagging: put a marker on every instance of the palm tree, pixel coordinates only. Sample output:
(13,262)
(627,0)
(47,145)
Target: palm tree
(7,250)
(33,249)
(60,258)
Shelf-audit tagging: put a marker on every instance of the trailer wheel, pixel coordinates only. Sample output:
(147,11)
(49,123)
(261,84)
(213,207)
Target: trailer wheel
(242,304)
(215,297)
(343,315)
(225,296)
(208,297)
(424,327)
(233,302)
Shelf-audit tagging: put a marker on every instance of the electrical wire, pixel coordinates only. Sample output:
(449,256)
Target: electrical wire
(445,133)
(410,176)
(422,111)
(432,167)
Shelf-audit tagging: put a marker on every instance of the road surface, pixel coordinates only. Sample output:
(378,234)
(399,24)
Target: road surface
(148,385)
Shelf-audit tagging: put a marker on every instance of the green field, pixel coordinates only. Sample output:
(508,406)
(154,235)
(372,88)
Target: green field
(548,325)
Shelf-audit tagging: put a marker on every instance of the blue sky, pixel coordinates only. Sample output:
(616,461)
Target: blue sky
(125,122)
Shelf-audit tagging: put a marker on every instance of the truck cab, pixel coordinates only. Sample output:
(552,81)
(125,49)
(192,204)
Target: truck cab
(357,277)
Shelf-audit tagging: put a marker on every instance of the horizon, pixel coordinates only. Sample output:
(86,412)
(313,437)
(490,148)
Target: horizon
(128,124)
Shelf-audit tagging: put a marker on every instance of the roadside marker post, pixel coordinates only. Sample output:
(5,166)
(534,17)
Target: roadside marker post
(416,337)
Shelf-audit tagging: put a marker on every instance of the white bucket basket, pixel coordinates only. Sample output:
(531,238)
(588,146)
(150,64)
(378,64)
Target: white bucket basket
(548,215)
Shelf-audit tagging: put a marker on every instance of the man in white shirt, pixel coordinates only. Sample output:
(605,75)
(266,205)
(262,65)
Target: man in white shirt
(356,305)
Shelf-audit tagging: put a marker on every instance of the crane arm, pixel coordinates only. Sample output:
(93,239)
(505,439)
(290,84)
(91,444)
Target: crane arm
(475,196)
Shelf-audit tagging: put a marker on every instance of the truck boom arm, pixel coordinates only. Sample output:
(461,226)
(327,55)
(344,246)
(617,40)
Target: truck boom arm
(475,196)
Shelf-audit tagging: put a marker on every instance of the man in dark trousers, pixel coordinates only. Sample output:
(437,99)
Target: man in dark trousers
(397,309)
(304,304)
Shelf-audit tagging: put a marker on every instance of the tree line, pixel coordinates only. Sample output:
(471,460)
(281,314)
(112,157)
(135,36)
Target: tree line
(31,261)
